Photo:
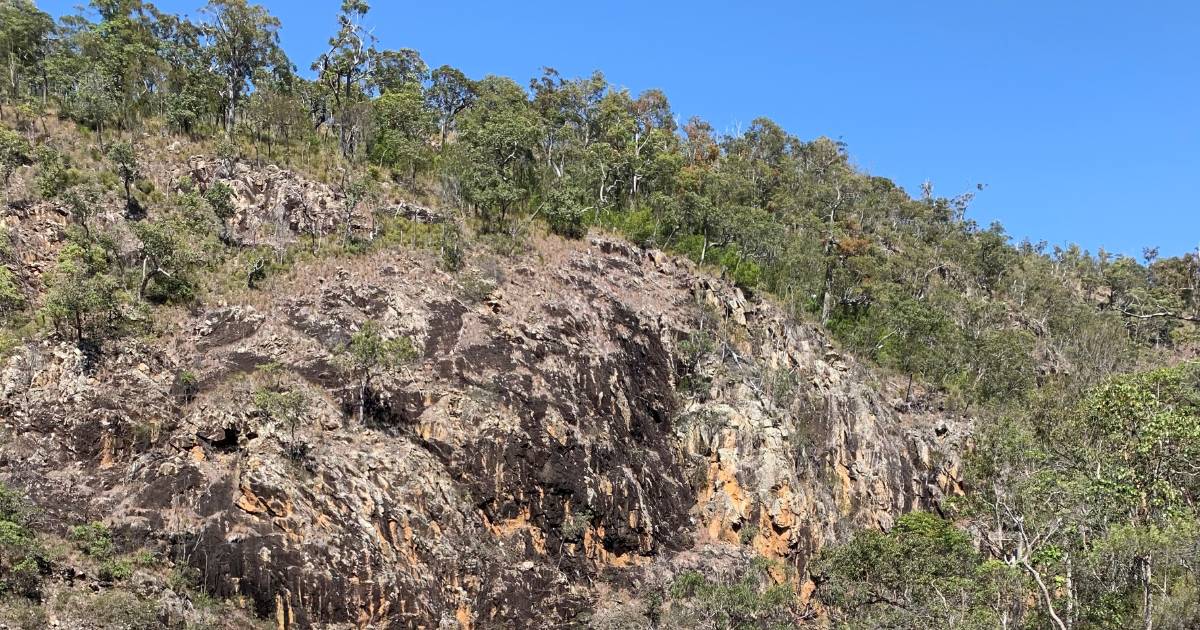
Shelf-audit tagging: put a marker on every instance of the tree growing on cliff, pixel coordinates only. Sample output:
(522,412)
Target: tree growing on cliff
(282,402)
(12,297)
(357,188)
(368,354)
(220,198)
(168,254)
(497,135)
(82,294)
(125,163)
(53,175)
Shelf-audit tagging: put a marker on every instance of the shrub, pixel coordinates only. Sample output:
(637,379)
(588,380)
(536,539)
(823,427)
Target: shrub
(116,569)
(93,539)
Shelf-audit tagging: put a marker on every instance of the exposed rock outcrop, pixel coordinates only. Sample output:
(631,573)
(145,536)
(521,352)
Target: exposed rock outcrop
(604,412)
(272,205)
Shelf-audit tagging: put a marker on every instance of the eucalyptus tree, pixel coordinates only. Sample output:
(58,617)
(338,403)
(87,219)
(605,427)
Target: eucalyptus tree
(449,93)
(496,142)
(244,39)
(24,44)
(345,72)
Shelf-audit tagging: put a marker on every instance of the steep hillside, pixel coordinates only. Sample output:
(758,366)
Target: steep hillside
(576,425)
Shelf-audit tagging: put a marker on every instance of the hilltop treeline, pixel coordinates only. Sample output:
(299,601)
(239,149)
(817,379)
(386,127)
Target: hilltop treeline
(1027,335)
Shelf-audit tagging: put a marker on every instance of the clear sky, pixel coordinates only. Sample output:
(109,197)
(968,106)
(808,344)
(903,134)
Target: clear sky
(1082,119)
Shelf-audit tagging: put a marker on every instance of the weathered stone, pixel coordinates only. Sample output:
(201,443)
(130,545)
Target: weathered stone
(535,462)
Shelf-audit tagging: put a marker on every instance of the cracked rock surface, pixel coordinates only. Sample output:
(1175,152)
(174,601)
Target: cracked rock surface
(555,443)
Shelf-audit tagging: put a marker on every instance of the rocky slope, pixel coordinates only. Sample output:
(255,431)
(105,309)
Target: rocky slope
(580,422)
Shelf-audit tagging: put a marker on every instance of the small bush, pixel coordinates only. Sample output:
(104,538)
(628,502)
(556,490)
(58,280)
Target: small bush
(116,569)
(475,287)
(189,385)
(93,539)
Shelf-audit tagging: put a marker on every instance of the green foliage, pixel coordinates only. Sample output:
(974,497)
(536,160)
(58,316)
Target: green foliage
(245,41)
(369,349)
(125,164)
(93,539)
(923,573)
(188,385)
(495,150)
(749,600)
(475,287)
(23,614)
(170,252)
(695,349)
(369,353)
(83,202)
(82,293)
(451,247)
(1099,489)
(108,610)
(564,216)
(22,558)
(403,123)
(11,296)
(219,197)
(15,152)
(53,175)
(449,93)
(115,569)
(284,403)
(24,31)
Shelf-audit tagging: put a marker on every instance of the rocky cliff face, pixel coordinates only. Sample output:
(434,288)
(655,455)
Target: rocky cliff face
(579,422)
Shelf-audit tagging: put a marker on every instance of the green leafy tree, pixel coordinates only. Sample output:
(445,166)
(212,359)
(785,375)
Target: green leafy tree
(283,403)
(449,93)
(83,202)
(923,573)
(95,104)
(53,174)
(24,43)
(168,255)
(245,40)
(81,293)
(1095,501)
(397,69)
(369,353)
(125,163)
(915,340)
(751,599)
(345,70)
(219,196)
(23,559)
(496,139)
(403,127)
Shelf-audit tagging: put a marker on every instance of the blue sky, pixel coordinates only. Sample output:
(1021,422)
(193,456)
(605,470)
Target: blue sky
(1082,119)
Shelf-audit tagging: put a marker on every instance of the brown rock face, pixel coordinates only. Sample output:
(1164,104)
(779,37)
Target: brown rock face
(559,439)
